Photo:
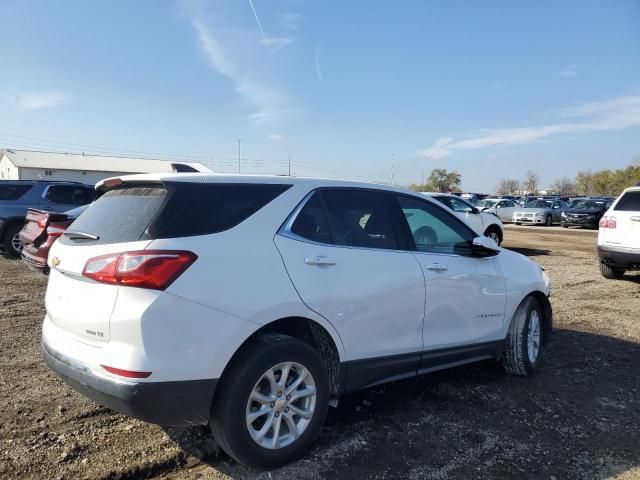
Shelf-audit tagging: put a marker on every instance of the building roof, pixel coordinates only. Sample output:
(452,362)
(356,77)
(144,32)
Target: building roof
(88,162)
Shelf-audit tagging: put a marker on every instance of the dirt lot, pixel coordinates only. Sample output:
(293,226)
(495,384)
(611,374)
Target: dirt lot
(579,417)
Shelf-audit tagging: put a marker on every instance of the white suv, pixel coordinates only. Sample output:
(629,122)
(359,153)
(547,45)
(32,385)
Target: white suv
(252,303)
(488,224)
(619,235)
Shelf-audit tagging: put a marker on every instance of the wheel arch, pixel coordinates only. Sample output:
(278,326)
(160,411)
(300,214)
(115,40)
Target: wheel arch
(310,332)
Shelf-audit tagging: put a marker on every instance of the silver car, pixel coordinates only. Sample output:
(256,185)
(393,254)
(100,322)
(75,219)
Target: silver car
(540,212)
(501,207)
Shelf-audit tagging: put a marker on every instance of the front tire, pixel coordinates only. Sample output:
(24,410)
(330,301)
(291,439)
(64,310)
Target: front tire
(494,234)
(11,242)
(610,272)
(271,402)
(549,221)
(523,345)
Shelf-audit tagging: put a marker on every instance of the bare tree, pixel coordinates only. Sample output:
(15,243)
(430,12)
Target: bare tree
(564,186)
(508,186)
(531,182)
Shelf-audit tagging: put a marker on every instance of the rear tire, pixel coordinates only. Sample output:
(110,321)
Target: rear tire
(249,377)
(610,272)
(11,243)
(523,345)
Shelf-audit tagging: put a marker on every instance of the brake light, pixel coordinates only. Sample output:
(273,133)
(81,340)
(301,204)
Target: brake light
(608,222)
(126,373)
(55,230)
(155,269)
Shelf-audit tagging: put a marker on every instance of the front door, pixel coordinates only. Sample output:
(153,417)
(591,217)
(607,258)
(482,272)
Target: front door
(466,295)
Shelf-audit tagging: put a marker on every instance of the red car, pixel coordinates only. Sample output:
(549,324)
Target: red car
(40,230)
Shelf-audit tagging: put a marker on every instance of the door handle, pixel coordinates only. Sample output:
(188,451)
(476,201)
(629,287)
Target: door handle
(437,267)
(319,260)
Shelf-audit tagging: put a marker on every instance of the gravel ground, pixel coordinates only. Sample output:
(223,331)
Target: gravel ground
(579,417)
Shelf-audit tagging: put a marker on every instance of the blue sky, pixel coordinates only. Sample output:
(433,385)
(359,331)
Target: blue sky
(490,89)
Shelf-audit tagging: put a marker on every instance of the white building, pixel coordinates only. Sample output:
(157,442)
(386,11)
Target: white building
(80,167)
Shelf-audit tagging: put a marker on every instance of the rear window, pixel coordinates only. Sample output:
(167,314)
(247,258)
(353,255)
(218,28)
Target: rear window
(629,202)
(175,209)
(13,192)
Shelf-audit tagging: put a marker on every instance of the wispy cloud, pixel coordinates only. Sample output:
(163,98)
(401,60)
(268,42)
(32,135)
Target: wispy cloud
(39,100)
(223,52)
(568,71)
(612,114)
(273,44)
(275,137)
(290,20)
(318,53)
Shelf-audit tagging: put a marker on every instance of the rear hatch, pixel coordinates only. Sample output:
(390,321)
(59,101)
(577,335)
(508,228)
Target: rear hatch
(127,218)
(118,221)
(620,227)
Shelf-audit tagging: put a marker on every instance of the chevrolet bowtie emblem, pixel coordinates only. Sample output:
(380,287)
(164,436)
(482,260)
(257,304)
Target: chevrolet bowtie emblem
(55,261)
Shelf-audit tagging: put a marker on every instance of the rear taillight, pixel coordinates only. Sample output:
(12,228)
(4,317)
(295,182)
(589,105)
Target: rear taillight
(55,229)
(155,269)
(608,222)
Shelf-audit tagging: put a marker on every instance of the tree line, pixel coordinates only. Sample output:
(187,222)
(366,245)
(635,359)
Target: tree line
(586,182)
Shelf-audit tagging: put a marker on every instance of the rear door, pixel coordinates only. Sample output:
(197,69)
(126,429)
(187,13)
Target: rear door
(345,260)
(625,231)
(505,209)
(119,219)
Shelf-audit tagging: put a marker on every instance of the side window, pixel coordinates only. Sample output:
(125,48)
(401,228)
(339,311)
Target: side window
(505,204)
(629,202)
(460,206)
(311,223)
(434,230)
(359,218)
(68,194)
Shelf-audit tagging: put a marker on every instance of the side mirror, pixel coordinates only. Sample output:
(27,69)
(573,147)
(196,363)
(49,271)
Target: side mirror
(484,247)
(474,210)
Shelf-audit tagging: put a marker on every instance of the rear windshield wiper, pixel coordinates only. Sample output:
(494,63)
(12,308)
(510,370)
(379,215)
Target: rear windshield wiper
(75,235)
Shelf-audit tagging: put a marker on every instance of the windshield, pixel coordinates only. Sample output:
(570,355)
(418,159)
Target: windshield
(486,203)
(539,204)
(588,204)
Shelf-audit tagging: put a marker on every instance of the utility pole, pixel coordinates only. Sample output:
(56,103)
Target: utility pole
(393,155)
(239,142)
(289,165)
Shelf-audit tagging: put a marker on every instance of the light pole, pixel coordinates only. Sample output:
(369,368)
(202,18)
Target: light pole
(239,142)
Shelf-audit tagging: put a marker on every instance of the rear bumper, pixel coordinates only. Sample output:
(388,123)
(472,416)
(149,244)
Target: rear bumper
(34,259)
(570,222)
(164,403)
(624,258)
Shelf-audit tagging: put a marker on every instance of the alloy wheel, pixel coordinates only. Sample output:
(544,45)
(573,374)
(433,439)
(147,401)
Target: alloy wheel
(16,243)
(281,405)
(533,336)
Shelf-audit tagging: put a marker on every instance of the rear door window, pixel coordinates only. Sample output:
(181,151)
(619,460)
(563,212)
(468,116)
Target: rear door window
(347,217)
(629,202)
(13,192)
(69,194)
